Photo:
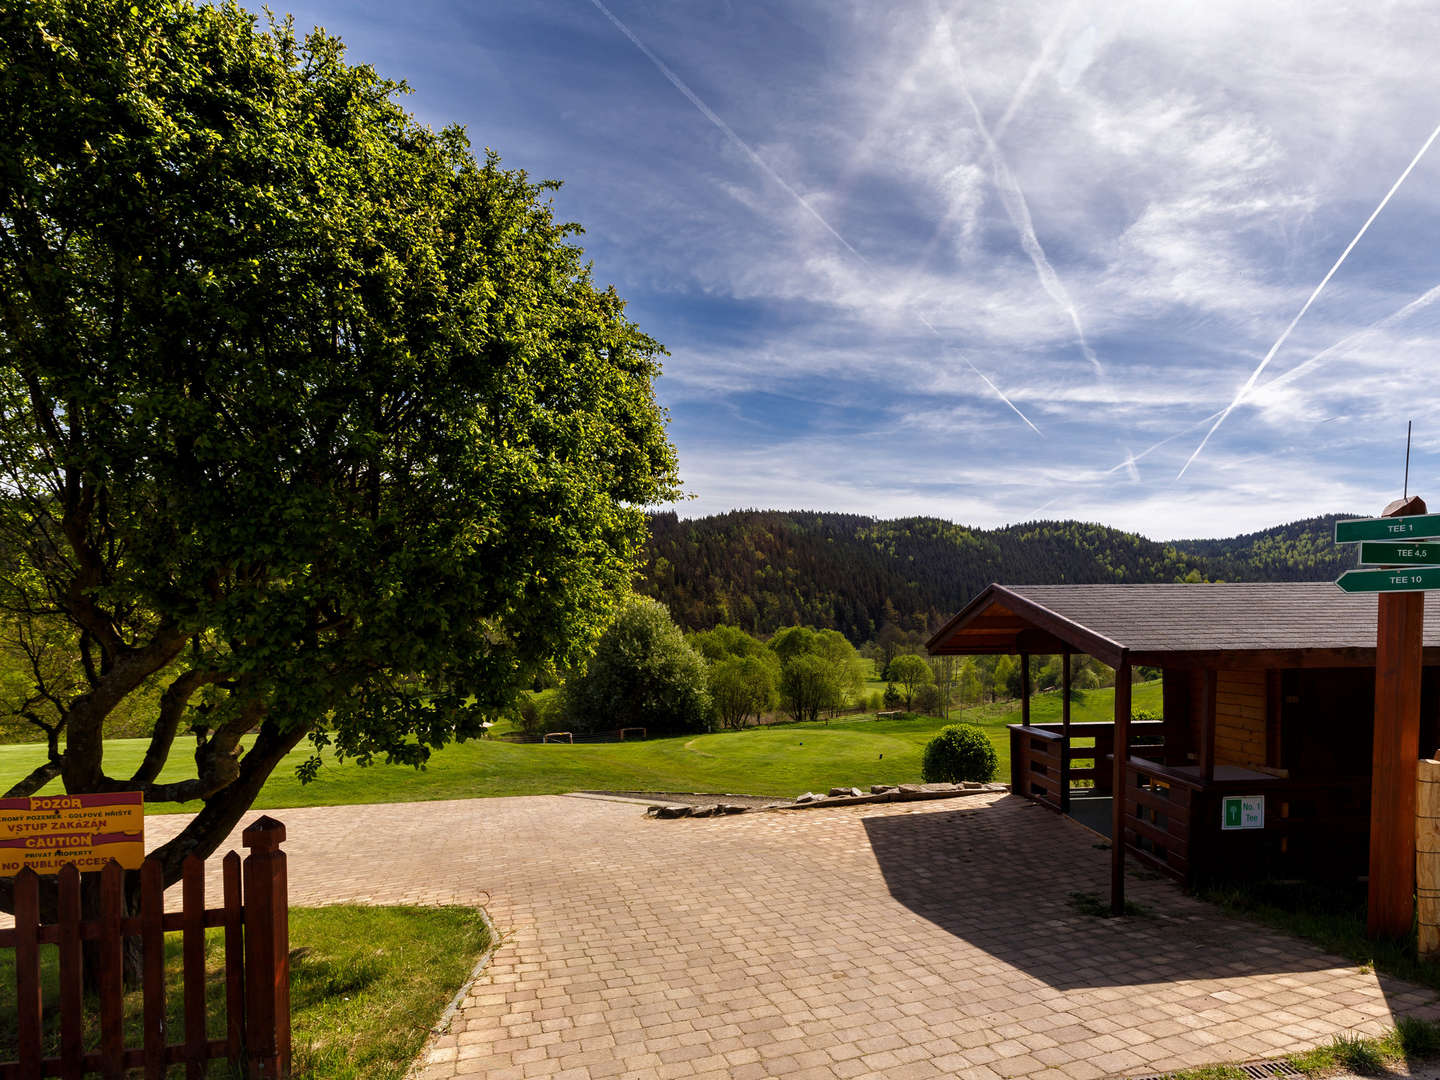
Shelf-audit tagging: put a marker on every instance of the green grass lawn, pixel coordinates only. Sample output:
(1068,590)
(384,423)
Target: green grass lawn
(366,985)
(781,761)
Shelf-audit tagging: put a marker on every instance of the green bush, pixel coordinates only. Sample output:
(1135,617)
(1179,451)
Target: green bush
(643,674)
(959,752)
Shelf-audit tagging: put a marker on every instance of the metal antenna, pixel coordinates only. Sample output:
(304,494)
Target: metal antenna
(1408,424)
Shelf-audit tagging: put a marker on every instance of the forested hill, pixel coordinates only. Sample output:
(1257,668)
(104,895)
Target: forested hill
(765,569)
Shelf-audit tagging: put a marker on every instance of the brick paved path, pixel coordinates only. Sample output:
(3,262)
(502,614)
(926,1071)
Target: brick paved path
(909,940)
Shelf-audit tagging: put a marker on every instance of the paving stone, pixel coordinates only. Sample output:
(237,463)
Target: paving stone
(694,949)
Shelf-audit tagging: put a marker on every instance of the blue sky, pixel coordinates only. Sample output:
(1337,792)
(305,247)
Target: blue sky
(889,238)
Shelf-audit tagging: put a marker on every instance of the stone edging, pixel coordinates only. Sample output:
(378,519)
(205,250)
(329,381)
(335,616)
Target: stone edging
(879,793)
(441,1026)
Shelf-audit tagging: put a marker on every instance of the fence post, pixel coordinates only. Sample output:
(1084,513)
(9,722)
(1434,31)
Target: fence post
(267,952)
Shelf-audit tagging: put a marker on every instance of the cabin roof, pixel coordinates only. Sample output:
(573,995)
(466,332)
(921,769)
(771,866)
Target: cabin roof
(1271,624)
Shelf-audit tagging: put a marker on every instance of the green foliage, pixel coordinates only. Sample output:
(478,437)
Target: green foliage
(742,687)
(891,699)
(808,687)
(1145,714)
(959,752)
(304,410)
(540,711)
(892,581)
(819,670)
(1006,677)
(723,642)
(643,673)
(1357,1055)
(911,672)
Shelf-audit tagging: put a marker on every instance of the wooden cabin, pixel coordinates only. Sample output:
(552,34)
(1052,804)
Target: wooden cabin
(1261,765)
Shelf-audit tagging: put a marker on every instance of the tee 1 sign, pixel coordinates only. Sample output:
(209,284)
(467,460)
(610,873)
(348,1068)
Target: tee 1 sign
(45,832)
(1242,812)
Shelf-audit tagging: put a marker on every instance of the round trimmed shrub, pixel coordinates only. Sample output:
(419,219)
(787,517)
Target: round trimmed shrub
(959,752)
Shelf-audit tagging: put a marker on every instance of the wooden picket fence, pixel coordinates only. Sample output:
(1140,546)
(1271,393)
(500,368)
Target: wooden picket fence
(255,918)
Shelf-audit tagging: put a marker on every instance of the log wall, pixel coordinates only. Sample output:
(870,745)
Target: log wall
(1240,719)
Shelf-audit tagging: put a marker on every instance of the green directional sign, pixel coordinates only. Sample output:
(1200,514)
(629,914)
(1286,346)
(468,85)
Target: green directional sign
(1407,579)
(1389,552)
(1414,527)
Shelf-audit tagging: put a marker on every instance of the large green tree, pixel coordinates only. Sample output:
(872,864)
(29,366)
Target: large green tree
(911,672)
(643,674)
(312,424)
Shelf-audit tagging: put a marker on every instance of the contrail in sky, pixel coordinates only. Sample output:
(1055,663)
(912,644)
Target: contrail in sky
(1418,304)
(1250,382)
(1047,50)
(1018,209)
(760,163)
(725,128)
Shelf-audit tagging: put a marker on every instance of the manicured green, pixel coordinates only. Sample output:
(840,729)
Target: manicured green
(783,760)
(366,985)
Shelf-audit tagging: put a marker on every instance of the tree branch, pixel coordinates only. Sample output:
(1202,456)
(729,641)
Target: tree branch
(37,779)
(172,706)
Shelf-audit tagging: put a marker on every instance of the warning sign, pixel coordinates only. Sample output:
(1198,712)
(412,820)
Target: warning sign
(46,832)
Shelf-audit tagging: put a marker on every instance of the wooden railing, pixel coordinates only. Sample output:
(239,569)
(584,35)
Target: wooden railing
(256,959)
(1312,828)
(1045,768)
(1041,772)
(1159,808)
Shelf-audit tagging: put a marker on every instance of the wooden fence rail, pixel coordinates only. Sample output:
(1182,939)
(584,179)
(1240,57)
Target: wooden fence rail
(256,964)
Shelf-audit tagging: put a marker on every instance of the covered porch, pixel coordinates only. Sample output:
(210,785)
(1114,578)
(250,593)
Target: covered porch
(1261,763)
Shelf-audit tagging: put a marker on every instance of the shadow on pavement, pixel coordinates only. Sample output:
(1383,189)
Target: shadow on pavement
(1015,880)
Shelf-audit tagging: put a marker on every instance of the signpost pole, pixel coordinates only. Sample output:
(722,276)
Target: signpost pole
(1398,660)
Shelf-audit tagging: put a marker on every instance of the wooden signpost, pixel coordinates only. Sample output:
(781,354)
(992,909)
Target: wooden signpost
(1398,652)
(45,832)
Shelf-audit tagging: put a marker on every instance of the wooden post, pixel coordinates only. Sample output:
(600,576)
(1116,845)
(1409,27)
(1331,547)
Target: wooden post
(1025,689)
(1065,732)
(267,952)
(1399,642)
(29,1013)
(72,976)
(152,969)
(1427,857)
(1120,784)
(1209,680)
(1274,718)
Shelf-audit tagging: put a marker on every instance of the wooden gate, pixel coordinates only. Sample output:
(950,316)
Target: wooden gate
(255,918)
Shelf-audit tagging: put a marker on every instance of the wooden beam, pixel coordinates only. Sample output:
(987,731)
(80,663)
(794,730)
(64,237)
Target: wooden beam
(1205,754)
(1175,708)
(1264,659)
(1065,732)
(1274,700)
(1120,785)
(1025,689)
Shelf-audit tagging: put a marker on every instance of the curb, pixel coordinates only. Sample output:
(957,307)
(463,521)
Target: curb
(676,812)
(441,1026)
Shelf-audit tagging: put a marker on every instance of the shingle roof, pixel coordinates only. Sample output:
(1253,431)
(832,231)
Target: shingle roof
(1185,618)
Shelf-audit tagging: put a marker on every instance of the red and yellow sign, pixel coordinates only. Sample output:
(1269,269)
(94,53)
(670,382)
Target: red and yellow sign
(46,832)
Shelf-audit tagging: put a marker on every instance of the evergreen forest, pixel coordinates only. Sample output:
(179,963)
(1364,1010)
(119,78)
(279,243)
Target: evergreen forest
(761,570)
